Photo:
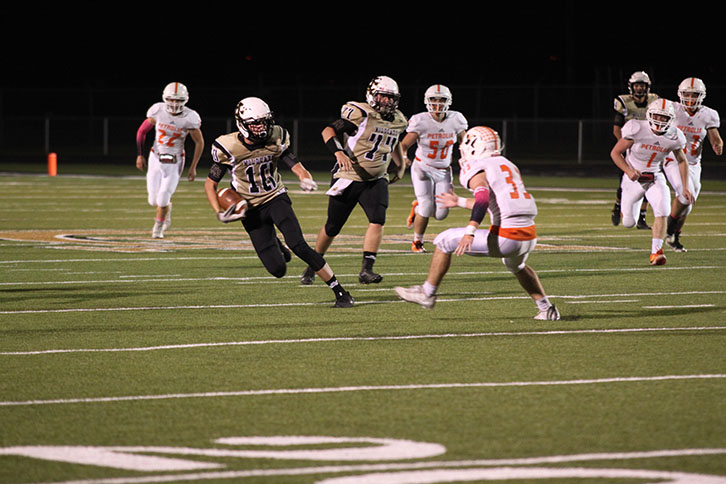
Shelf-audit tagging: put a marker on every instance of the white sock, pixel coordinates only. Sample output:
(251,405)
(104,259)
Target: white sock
(429,289)
(417,237)
(656,245)
(543,304)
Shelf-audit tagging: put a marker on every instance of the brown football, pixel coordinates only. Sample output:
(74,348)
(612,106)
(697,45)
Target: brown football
(228,197)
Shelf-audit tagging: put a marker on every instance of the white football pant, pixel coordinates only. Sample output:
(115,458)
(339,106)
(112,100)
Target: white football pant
(427,183)
(657,192)
(162,180)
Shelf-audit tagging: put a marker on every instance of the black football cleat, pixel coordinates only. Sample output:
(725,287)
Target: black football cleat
(369,277)
(307,277)
(345,300)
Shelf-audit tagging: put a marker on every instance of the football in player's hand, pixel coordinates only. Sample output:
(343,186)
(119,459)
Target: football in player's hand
(228,197)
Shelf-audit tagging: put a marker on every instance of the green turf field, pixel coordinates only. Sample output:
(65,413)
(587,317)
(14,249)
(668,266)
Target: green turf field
(131,360)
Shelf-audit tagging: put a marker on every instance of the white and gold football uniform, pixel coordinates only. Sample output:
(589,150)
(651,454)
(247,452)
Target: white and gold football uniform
(253,167)
(370,147)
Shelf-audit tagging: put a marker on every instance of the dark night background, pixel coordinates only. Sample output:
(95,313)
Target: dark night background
(560,60)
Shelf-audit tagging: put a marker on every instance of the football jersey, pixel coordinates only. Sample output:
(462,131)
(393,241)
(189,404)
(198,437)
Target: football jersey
(371,145)
(171,130)
(649,149)
(253,167)
(508,197)
(626,105)
(436,139)
(695,127)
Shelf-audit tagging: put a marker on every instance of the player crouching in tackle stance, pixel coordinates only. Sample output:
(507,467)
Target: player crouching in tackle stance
(647,144)
(251,155)
(498,188)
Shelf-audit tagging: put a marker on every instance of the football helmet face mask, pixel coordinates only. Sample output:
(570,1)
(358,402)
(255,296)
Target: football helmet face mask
(691,92)
(254,119)
(480,142)
(660,115)
(175,96)
(383,95)
(437,99)
(639,84)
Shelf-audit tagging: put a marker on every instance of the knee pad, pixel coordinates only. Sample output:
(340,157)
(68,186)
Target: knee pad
(332,230)
(442,213)
(306,253)
(426,207)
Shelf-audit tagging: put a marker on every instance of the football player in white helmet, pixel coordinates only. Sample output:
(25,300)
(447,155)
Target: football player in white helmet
(698,123)
(252,154)
(172,122)
(631,106)
(435,132)
(498,189)
(646,143)
(364,141)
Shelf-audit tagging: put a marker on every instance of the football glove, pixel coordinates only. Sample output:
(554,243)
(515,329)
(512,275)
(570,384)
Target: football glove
(230,215)
(308,185)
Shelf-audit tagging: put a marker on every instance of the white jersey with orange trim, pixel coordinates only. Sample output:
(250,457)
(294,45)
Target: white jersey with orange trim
(436,139)
(172,130)
(510,205)
(649,149)
(695,128)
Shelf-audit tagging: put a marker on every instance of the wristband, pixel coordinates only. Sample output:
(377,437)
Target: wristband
(470,229)
(334,145)
(461,202)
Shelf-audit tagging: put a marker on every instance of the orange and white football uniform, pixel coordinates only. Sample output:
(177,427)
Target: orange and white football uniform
(695,128)
(431,168)
(512,210)
(167,156)
(646,155)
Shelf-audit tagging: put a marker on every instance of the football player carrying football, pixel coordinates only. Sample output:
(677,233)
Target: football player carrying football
(434,132)
(251,155)
(698,123)
(631,106)
(363,140)
(172,121)
(498,189)
(647,143)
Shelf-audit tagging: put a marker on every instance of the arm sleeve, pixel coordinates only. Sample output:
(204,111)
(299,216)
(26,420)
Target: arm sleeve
(217,171)
(289,158)
(343,126)
(141,133)
(481,204)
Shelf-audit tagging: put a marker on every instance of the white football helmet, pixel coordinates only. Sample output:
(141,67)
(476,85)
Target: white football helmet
(660,115)
(175,96)
(437,99)
(691,92)
(480,142)
(254,119)
(639,77)
(383,95)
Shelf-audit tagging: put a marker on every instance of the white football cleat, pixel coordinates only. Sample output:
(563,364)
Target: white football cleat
(158,231)
(550,314)
(415,294)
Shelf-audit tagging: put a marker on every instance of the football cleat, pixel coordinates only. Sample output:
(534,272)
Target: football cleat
(418,246)
(615,217)
(642,224)
(549,314)
(344,301)
(412,215)
(307,277)
(416,294)
(658,258)
(369,277)
(158,231)
(674,242)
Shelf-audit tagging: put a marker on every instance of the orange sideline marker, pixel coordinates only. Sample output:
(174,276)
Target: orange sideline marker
(52,164)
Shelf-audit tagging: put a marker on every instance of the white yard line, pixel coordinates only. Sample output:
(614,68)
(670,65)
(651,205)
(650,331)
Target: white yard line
(334,339)
(361,388)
